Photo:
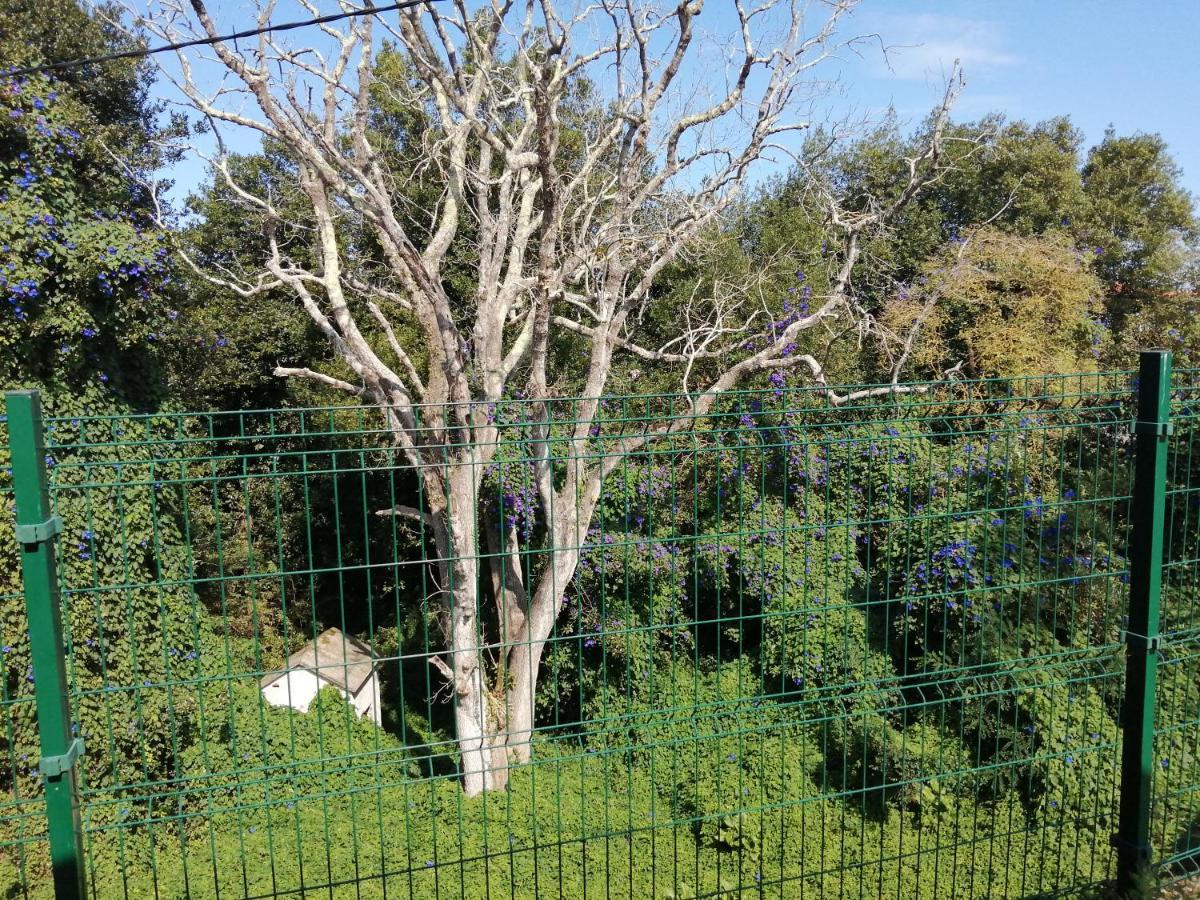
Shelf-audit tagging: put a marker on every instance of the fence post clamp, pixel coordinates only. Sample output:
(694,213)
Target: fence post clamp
(39,532)
(1153,429)
(57,766)
(1142,851)
(1141,642)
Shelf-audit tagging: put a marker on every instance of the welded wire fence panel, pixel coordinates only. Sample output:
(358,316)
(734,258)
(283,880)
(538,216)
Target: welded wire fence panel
(799,648)
(1175,805)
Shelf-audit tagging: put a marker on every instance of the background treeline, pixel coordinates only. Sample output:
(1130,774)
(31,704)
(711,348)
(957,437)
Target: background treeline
(806,615)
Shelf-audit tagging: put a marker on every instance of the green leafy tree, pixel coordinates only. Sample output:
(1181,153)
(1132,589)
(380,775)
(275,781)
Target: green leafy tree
(1122,207)
(1025,178)
(1003,305)
(85,285)
(222,350)
(1139,223)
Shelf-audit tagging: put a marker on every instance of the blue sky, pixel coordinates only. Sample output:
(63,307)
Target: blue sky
(1134,65)
(1129,64)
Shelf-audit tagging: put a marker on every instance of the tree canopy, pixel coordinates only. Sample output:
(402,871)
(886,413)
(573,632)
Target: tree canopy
(85,272)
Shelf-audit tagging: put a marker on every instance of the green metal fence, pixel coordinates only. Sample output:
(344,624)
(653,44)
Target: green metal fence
(876,648)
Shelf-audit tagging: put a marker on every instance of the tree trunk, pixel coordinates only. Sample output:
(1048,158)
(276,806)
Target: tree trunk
(473,720)
(508,589)
(489,739)
(525,656)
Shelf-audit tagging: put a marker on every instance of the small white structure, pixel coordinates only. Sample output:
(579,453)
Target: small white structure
(333,659)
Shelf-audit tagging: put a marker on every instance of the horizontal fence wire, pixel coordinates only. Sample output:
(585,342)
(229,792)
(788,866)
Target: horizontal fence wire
(807,650)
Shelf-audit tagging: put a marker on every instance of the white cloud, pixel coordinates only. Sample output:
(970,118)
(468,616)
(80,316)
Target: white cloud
(925,46)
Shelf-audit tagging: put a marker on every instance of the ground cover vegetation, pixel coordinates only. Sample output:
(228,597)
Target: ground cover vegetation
(816,641)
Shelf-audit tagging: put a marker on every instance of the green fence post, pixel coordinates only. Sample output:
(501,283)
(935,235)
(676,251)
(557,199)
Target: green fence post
(1152,426)
(36,529)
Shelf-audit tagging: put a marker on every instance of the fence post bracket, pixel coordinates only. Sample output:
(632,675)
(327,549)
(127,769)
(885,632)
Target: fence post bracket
(57,766)
(39,532)
(1153,429)
(1141,642)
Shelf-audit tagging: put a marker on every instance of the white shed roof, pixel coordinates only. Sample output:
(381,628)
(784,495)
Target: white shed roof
(335,657)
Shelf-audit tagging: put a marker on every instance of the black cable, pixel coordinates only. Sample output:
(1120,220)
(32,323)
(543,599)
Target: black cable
(252,32)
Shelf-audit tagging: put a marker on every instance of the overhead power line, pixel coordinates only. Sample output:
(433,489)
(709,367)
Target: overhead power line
(221,38)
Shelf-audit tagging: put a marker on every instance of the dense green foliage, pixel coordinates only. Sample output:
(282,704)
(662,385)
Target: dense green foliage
(82,270)
(1042,197)
(583,822)
(1006,306)
(86,285)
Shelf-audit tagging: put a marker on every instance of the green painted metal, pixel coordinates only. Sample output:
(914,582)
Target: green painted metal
(1175,765)
(40,577)
(1145,589)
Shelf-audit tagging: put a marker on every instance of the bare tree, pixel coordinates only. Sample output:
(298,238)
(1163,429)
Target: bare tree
(571,216)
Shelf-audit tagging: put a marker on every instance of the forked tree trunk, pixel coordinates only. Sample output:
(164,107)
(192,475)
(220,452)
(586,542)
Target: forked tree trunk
(569,526)
(525,659)
(492,733)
